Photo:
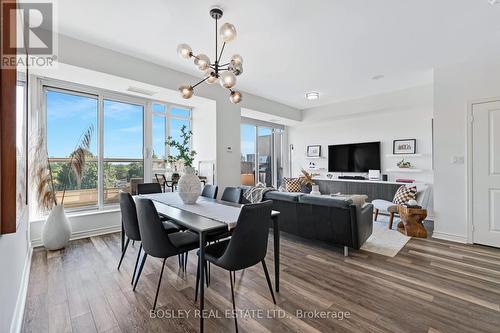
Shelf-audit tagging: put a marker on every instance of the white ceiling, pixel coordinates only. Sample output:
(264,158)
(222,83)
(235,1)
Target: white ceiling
(290,47)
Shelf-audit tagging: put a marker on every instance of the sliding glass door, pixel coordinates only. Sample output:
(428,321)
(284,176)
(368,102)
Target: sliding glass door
(261,154)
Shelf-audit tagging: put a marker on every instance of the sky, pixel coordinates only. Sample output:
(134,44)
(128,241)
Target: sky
(69,116)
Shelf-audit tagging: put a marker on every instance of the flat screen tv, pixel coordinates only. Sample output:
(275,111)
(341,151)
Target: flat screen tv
(356,157)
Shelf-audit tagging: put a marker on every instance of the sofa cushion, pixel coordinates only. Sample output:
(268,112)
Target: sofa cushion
(283,196)
(325,201)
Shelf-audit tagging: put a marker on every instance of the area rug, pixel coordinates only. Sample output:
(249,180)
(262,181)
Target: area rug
(384,241)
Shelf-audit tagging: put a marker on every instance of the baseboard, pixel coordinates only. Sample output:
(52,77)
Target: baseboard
(17,320)
(450,237)
(83,234)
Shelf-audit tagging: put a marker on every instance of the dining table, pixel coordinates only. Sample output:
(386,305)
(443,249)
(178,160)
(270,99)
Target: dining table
(206,216)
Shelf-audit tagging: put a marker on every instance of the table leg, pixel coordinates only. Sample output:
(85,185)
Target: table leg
(276,233)
(202,277)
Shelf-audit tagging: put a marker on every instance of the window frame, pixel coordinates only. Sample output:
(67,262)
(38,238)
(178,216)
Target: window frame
(44,84)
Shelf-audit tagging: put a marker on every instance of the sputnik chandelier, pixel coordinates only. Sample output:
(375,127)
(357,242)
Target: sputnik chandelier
(225,73)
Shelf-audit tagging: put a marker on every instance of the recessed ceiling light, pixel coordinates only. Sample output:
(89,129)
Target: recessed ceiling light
(312,95)
(378,77)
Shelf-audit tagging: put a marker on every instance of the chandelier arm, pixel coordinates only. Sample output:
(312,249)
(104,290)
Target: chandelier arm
(216,62)
(221,51)
(226,64)
(200,82)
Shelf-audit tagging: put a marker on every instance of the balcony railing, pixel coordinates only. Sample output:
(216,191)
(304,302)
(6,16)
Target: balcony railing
(120,174)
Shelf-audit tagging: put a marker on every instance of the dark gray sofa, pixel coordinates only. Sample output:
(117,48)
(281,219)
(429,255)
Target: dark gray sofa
(331,220)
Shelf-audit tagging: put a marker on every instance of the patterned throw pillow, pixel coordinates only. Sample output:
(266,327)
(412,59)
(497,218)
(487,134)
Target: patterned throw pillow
(292,184)
(404,194)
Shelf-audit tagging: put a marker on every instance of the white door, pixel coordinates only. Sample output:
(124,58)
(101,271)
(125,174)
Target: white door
(486,173)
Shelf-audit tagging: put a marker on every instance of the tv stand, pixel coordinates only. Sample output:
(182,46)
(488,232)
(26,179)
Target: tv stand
(374,189)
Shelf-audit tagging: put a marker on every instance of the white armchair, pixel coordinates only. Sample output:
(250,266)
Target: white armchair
(423,197)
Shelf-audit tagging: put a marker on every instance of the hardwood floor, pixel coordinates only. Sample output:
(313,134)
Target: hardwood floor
(430,286)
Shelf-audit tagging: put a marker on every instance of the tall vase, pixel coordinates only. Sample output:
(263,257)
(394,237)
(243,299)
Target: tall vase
(56,229)
(189,186)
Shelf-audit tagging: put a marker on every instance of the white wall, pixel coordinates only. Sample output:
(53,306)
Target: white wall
(204,133)
(454,88)
(96,58)
(398,115)
(15,257)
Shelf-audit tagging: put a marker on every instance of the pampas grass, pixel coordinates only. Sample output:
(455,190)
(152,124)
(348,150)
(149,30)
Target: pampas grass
(42,173)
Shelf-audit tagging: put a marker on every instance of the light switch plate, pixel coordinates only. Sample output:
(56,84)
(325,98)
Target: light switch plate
(458,159)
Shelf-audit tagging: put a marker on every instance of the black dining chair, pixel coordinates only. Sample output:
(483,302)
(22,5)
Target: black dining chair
(246,247)
(148,188)
(210,191)
(151,188)
(131,227)
(162,180)
(158,243)
(231,194)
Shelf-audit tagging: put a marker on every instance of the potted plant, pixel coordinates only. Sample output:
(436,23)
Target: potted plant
(308,185)
(56,230)
(189,184)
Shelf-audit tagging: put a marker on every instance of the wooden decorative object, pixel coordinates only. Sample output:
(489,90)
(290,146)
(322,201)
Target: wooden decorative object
(411,221)
(8,80)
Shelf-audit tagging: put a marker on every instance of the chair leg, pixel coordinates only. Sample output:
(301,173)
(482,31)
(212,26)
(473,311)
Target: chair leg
(375,212)
(268,279)
(140,270)
(197,281)
(185,260)
(159,283)
(136,263)
(391,219)
(234,306)
(123,253)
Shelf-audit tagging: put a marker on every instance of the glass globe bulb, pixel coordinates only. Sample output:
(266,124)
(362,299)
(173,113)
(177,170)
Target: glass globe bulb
(227,32)
(235,97)
(227,79)
(184,51)
(237,59)
(236,69)
(186,91)
(211,76)
(202,61)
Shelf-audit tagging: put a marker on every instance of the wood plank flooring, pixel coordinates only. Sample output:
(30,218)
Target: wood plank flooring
(430,286)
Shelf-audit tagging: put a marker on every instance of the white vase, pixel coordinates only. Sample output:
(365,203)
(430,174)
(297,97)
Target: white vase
(56,229)
(189,186)
(315,190)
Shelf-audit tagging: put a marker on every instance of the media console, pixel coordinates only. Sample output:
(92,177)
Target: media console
(374,189)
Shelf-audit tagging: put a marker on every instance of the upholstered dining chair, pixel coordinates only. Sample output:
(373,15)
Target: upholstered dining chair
(210,191)
(246,247)
(231,194)
(156,242)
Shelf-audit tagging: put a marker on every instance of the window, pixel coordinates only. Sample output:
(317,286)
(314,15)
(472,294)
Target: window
(116,160)
(70,114)
(167,121)
(123,147)
(261,153)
